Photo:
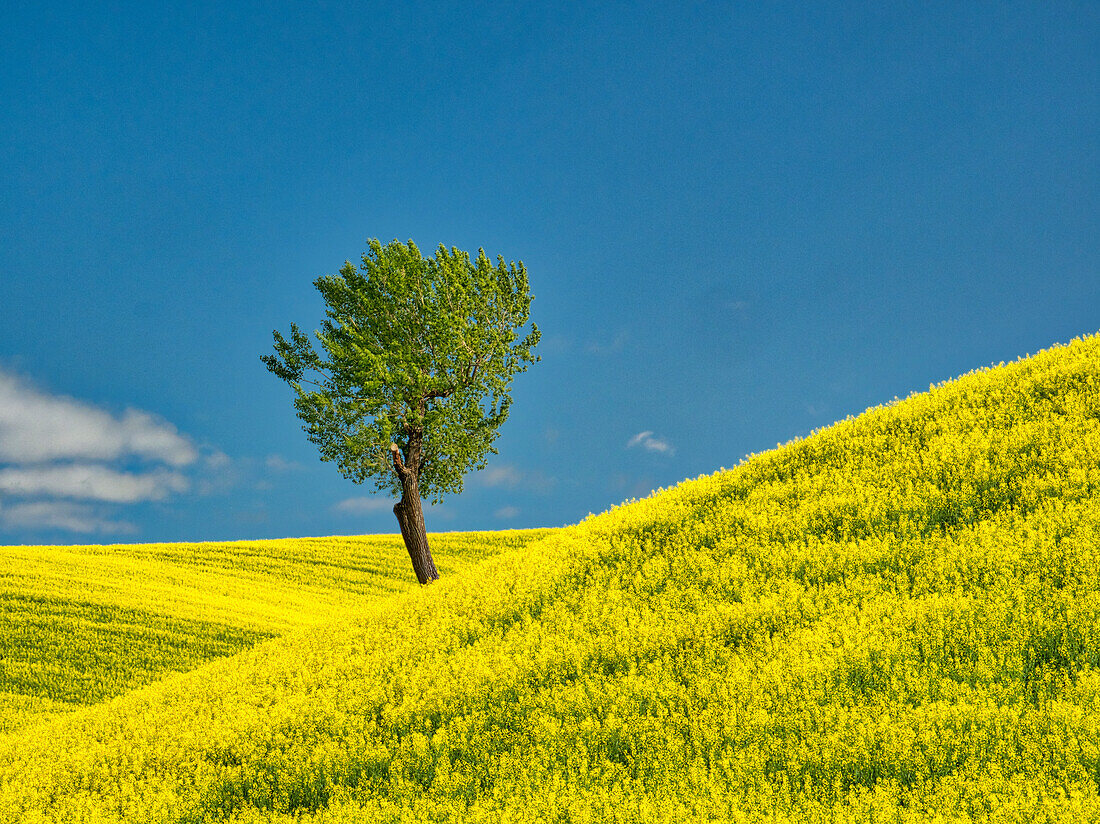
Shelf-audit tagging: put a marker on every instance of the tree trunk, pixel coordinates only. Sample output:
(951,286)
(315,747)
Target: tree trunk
(411,517)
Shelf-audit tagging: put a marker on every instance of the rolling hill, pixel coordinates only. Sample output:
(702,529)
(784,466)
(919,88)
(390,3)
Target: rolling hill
(81,624)
(896,618)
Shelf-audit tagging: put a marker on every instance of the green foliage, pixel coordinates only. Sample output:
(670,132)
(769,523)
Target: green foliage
(412,349)
(893,620)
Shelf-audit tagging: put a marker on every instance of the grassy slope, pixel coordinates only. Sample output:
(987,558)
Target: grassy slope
(82,624)
(896,617)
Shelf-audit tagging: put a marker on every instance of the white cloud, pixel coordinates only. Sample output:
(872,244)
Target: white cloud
(555,345)
(277,463)
(502,475)
(36,427)
(217,472)
(440,512)
(616,344)
(71,517)
(362,506)
(506,512)
(647,441)
(511,477)
(69,458)
(91,482)
(631,485)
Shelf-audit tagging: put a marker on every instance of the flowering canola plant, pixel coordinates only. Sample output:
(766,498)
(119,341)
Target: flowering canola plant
(895,619)
(82,624)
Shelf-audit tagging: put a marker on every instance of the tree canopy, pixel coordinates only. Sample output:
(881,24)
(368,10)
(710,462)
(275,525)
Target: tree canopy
(416,352)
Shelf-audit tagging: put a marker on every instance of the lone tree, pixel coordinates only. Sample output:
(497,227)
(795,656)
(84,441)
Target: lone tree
(413,377)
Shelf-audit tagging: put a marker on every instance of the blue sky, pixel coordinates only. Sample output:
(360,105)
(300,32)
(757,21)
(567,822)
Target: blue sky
(741,222)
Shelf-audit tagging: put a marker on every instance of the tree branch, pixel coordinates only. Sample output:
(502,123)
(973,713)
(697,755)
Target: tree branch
(471,371)
(439,393)
(398,464)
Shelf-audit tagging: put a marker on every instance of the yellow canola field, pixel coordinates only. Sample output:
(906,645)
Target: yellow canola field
(896,619)
(80,624)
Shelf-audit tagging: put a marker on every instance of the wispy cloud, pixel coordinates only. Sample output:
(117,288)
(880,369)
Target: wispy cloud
(506,512)
(607,344)
(616,344)
(631,486)
(555,345)
(720,303)
(510,476)
(91,482)
(36,427)
(502,475)
(362,506)
(646,440)
(65,515)
(277,463)
(70,458)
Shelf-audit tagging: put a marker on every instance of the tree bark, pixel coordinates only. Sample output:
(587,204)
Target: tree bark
(410,515)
